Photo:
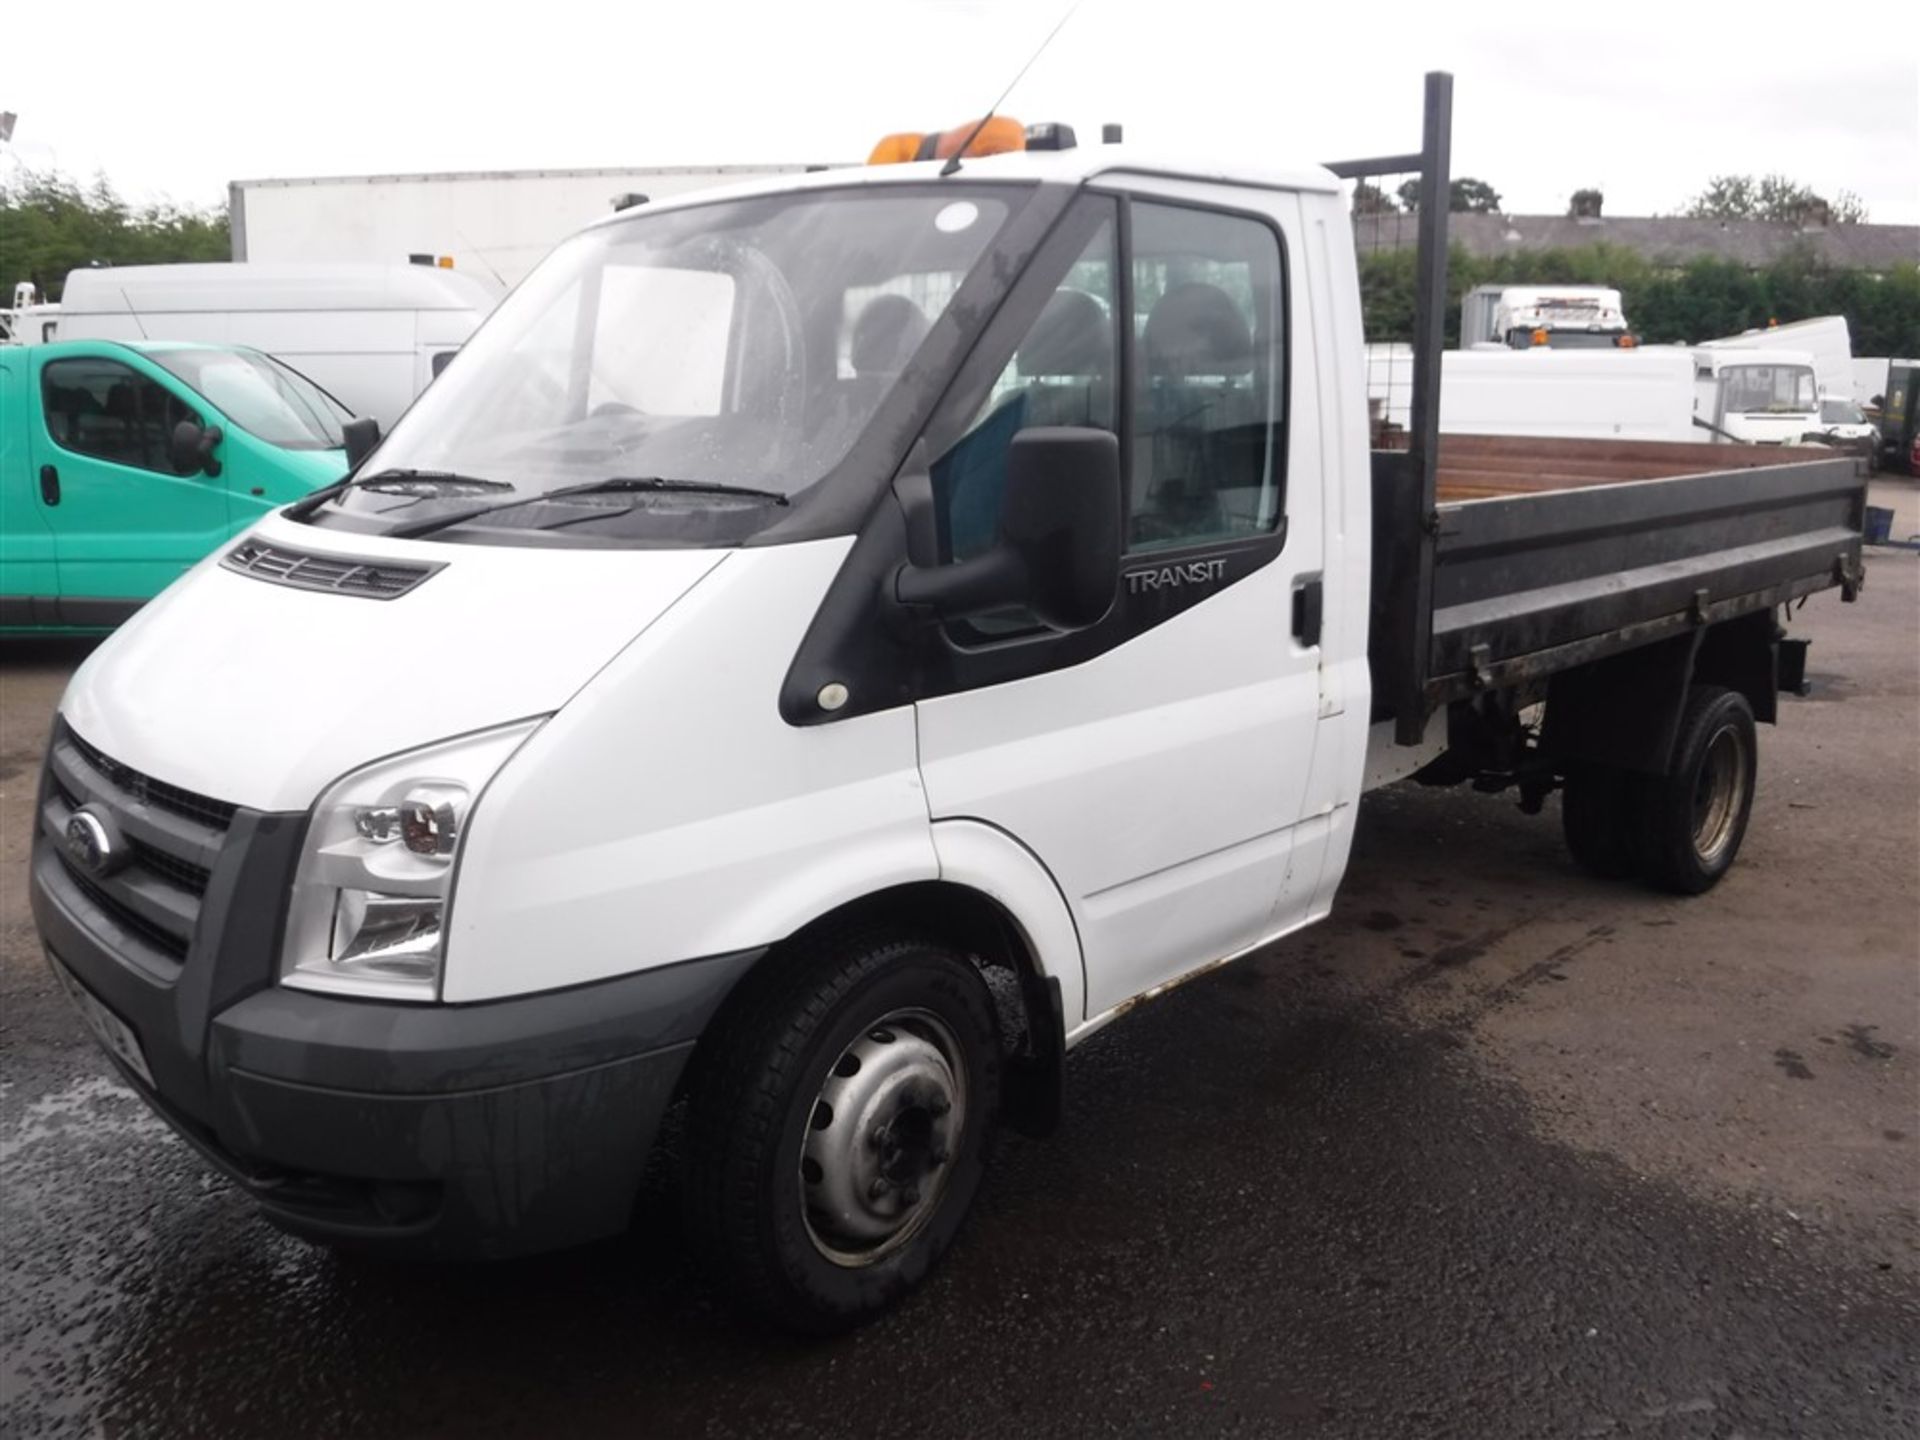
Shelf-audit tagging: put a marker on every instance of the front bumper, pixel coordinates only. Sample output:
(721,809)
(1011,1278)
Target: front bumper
(448,1130)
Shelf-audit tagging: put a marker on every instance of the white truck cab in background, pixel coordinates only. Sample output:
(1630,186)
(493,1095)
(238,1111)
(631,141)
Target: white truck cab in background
(372,336)
(1824,342)
(1755,395)
(1519,317)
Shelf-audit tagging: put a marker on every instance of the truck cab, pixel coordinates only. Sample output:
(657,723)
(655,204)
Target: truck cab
(1755,396)
(1522,317)
(121,465)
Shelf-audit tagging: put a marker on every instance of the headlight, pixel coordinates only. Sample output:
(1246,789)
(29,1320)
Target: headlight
(370,898)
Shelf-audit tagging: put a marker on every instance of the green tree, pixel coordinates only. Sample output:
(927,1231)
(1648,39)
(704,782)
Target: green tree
(1774,198)
(50,224)
(1370,199)
(1699,301)
(1464,195)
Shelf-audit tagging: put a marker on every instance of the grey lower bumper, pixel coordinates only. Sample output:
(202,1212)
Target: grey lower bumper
(451,1130)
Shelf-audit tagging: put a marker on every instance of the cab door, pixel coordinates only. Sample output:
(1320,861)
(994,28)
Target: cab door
(28,579)
(124,522)
(1157,763)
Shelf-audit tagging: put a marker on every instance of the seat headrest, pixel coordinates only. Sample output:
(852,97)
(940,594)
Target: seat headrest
(887,333)
(1071,337)
(1196,329)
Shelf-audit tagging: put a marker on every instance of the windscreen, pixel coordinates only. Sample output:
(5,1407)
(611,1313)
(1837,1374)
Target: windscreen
(1761,389)
(1841,412)
(270,401)
(729,353)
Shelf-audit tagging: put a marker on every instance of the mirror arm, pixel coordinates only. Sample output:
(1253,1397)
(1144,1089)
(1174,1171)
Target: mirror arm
(998,577)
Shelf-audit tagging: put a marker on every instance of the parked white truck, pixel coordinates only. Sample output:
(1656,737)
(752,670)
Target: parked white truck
(1755,395)
(670,712)
(1519,317)
(1824,342)
(492,222)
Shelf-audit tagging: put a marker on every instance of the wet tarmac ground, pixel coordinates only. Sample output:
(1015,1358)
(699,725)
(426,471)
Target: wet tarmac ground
(1499,1150)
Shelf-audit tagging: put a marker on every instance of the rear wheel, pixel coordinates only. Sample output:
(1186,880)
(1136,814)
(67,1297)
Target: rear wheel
(1599,816)
(839,1129)
(1694,818)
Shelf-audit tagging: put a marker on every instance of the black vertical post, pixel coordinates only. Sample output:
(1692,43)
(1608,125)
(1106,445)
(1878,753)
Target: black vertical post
(1423,420)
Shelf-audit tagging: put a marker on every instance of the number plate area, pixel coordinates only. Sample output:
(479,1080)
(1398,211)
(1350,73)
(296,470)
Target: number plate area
(108,1028)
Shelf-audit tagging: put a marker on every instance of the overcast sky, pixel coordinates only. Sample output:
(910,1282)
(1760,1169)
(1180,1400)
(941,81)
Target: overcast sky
(1644,100)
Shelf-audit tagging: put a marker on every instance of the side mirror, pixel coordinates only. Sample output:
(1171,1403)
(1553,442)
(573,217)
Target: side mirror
(361,436)
(1059,544)
(441,359)
(190,449)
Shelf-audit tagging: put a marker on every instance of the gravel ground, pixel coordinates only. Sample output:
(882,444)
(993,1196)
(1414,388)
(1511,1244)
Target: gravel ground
(1500,1150)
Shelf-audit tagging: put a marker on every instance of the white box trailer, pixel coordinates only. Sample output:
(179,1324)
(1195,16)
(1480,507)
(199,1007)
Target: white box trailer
(1643,394)
(495,223)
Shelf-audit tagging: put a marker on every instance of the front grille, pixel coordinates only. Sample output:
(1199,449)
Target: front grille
(173,839)
(184,873)
(335,574)
(146,790)
(158,936)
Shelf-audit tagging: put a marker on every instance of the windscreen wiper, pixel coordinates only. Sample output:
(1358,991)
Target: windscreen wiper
(616,485)
(429,480)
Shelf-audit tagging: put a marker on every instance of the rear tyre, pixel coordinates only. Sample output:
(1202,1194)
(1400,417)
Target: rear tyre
(1600,817)
(1694,818)
(838,1129)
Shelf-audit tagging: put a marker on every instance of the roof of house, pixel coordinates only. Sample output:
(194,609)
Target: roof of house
(1672,240)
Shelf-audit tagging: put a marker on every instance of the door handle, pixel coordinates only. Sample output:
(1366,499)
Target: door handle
(49,485)
(1307,602)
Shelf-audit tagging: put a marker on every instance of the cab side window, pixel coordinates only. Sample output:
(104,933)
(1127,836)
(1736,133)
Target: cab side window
(1209,403)
(1063,373)
(111,412)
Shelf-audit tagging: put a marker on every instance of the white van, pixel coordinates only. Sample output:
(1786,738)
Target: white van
(371,335)
(1758,396)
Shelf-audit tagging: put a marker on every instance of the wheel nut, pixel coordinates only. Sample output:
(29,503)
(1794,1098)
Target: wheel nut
(939,1105)
(879,1188)
(911,1195)
(939,1155)
(878,1137)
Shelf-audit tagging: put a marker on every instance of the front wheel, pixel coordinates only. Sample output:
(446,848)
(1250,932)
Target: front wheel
(839,1128)
(1695,816)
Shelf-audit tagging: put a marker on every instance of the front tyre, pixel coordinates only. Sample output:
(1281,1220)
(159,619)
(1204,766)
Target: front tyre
(1695,816)
(838,1129)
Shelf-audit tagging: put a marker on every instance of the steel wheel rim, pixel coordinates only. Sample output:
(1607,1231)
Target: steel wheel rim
(1719,794)
(880,1136)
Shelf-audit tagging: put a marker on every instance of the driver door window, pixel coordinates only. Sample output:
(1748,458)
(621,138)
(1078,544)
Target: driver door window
(1205,423)
(111,412)
(1064,372)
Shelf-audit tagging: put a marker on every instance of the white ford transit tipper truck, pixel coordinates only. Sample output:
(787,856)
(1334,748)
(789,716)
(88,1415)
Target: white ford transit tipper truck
(820,652)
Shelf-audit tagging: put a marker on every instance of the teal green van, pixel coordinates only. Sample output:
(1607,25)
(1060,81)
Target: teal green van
(122,464)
